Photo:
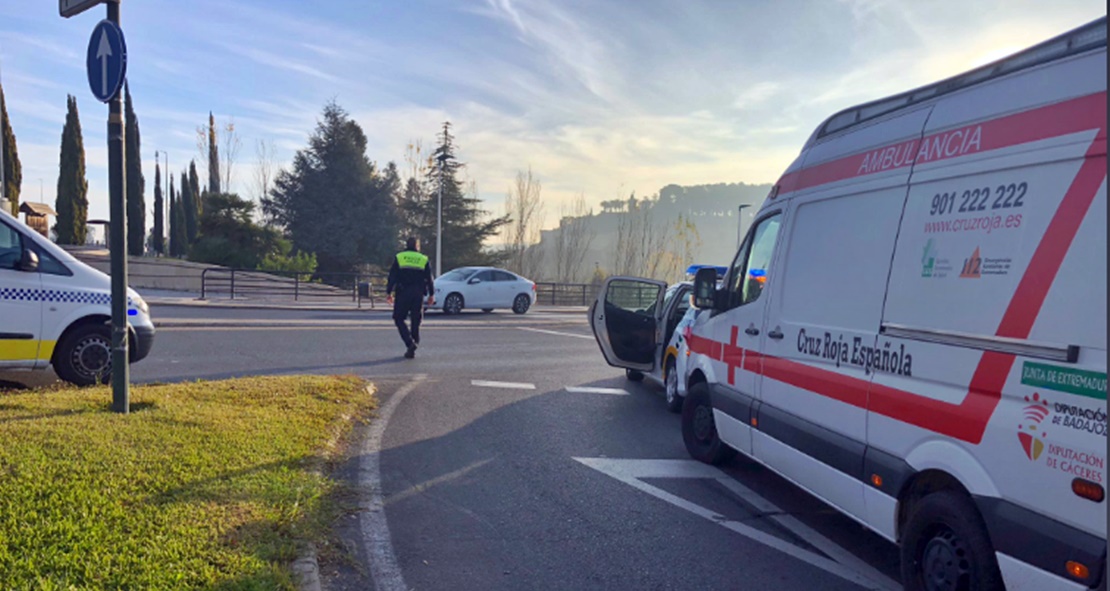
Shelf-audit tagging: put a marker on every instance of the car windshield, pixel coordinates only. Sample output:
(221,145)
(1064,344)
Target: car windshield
(457,274)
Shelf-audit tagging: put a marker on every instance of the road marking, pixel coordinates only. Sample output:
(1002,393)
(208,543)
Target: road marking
(512,385)
(593,390)
(632,473)
(384,569)
(555,332)
(423,486)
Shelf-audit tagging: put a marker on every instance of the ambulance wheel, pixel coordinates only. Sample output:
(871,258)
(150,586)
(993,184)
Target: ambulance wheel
(699,431)
(634,375)
(85,356)
(670,383)
(946,547)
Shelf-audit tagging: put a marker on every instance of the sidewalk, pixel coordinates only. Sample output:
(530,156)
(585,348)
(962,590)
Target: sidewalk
(156,297)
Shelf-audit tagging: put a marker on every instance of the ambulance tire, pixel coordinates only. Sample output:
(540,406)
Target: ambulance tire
(946,546)
(90,343)
(699,432)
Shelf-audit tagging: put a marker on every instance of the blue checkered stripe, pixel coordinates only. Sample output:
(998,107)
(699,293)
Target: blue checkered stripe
(56,295)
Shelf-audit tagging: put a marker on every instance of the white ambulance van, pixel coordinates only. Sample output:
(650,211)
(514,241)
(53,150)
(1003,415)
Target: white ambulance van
(914,330)
(56,311)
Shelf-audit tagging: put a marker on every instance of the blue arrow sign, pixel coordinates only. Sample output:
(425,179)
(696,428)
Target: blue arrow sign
(106,61)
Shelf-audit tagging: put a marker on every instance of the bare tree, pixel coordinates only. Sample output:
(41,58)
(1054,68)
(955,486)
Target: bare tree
(264,169)
(644,245)
(231,145)
(524,206)
(573,240)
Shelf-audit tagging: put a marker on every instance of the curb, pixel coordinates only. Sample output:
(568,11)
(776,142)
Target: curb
(306,569)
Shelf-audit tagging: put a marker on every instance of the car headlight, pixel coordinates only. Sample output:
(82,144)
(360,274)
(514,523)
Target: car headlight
(141,304)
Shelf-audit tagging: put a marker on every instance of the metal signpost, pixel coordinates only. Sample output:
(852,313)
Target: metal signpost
(106,65)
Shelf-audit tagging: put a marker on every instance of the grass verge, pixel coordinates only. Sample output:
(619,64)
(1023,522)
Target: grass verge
(206,485)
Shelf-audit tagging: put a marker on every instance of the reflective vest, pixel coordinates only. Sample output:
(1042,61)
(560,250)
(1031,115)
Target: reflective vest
(411,260)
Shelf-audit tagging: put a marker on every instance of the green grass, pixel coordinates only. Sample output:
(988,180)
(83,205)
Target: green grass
(207,485)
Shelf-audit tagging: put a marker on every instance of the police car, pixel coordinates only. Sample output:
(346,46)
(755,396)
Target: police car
(670,319)
(56,311)
(914,329)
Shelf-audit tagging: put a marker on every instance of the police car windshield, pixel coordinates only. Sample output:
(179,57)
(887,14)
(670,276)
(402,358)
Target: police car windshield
(458,274)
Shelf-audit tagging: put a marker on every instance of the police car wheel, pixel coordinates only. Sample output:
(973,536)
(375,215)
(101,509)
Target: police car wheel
(85,357)
(521,304)
(699,432)
(453,304)
(674,401)
(634,375)
(946,547)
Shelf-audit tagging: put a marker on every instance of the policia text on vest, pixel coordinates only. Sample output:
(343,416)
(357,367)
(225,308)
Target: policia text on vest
(410,278)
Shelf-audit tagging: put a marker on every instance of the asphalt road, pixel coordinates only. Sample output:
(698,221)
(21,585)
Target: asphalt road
(493,475)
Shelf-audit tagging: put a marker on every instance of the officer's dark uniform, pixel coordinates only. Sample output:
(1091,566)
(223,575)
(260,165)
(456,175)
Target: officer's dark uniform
(411,275)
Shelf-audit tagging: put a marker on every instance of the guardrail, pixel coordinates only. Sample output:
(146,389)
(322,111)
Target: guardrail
(297,286)
(566,294)
(355,287)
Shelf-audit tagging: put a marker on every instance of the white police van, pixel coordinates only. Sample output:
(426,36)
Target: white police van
(914,329)
(56,311)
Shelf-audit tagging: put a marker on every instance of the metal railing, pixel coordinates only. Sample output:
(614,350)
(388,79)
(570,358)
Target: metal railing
(250,284)
(566,294)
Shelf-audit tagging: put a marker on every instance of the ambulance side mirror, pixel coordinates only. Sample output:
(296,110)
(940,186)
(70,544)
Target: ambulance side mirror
(705,289)
(29,262)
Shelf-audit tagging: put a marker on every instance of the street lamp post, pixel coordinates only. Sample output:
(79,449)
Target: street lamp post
(442,158)
(740,224)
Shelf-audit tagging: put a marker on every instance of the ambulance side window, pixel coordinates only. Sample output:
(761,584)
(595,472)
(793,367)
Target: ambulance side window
(752,266)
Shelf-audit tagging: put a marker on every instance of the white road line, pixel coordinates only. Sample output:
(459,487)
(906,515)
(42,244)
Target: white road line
(384,569)
(512,385)
(593,390)
(630,472)
(825,545)
(555,332)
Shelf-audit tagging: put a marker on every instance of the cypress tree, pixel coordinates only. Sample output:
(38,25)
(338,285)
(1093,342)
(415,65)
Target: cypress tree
(72,203)
(159,234)
(213,158)
(13,172)
(194,186)
(188,210)
(136,184)
(178,237)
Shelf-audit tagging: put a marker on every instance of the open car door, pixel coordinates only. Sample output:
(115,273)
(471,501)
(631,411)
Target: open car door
(625,320)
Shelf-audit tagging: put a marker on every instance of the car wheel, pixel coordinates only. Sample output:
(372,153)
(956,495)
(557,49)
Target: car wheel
(699,430)
(453,304)
(85,357)
(946,548)
(634,375)
(674,401)
(521,304)
(487,310)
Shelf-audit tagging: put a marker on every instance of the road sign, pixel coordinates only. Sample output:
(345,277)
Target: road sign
(106,61)
(68,8)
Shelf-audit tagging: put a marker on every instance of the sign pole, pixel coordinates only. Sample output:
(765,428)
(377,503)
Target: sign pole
(121,377)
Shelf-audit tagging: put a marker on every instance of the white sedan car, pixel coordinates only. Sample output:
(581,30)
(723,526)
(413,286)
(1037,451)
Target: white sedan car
(483,288)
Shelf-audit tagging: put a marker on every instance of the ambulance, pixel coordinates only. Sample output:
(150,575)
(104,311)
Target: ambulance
(914,329)
(56,311)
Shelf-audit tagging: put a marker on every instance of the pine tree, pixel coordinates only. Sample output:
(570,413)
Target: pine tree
(136,183)
(188,210)
(13,172)
(194,186)
(159,235)
(213,157)
(72,203)
(334,202)
(466,226)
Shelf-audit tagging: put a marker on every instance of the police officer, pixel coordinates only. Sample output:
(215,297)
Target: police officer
(411,275)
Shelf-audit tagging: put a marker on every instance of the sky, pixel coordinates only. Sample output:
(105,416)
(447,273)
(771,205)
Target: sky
(597,97)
